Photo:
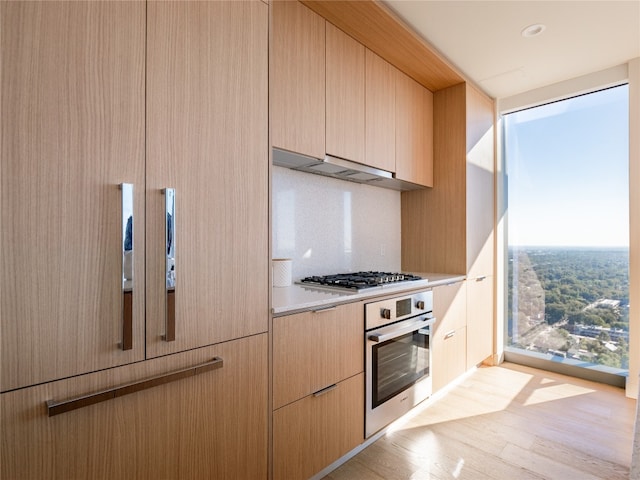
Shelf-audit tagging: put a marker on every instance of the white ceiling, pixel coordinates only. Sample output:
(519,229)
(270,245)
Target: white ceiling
(483,38)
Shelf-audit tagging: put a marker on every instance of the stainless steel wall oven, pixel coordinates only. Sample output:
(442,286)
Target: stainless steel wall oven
(398,357)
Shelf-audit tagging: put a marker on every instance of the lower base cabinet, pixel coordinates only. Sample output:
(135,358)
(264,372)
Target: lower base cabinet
(315,431)
(210,425)
(479,320)
(449,334)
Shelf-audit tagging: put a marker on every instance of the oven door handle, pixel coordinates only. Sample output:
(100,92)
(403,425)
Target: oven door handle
(415,326)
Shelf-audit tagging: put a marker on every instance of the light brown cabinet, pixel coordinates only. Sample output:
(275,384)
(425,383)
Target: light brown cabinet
(79,131)
(449,228)
(159,95)
(480,183)
(449,334)
(414,131)
(207,137)
(297,79)
(480,227)
(209,426)
(318,389)
(380,112)
(73,101)
(314,350)
(480,305)
(312,433)
(331,95)
(345,109)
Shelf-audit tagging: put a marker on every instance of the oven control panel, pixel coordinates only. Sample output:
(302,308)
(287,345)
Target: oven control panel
(392,310)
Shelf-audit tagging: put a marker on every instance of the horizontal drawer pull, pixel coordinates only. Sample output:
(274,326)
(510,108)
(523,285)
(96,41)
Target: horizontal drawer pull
(450,334)
(326,309)
(56,408)
(325,390)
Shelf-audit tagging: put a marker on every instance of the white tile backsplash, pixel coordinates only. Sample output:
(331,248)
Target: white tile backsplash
(329,226)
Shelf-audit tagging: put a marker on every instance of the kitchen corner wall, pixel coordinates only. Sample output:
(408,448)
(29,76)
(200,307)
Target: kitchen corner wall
(329,226)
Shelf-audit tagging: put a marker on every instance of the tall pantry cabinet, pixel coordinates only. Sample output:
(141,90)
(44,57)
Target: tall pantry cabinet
(449,228)
(164,95)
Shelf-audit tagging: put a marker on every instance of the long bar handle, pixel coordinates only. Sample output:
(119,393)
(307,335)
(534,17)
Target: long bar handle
(324,390)
(325,309)
(127,266)
(170,263)
(414,326)
(56,408)
(449,334)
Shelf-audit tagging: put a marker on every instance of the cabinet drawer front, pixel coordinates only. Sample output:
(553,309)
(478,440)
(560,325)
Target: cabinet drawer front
(196,427)
(310,434)
(449,307)
(313,350)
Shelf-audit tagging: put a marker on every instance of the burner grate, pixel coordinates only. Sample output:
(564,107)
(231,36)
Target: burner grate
(359,280)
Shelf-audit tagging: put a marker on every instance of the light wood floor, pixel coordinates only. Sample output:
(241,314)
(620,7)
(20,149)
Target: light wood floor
(507,423)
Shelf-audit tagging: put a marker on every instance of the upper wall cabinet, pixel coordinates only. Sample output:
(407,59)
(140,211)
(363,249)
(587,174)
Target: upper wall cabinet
(414,131)
(73,98)
(345,96)
(367,112)
(380,112)
(298,79)
(74,245)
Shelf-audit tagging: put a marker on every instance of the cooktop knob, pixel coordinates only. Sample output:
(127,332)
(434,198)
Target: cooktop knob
(385,313)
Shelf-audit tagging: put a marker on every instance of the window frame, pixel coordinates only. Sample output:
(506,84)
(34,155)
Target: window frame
(616,76)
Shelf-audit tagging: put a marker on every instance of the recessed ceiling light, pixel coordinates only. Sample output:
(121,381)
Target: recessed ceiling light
(533,30)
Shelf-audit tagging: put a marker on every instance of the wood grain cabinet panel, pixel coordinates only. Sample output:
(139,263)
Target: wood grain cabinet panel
(297,79)
(480,184)
(414,131)
(450,228)
(457,214)
(310,434)
(345,107)
(73,130)
(480,304)
(209,426)
(207,137)
(314,350)
(449,336)
(380,112)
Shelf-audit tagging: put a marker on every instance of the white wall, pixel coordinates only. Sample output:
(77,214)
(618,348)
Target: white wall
(329,226)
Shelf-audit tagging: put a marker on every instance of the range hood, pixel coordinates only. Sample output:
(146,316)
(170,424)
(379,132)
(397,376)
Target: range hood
(342,169)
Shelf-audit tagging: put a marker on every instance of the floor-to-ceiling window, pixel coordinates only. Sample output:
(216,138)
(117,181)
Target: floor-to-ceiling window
(567,165)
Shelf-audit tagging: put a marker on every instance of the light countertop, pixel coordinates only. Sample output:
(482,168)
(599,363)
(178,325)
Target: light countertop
(298,298)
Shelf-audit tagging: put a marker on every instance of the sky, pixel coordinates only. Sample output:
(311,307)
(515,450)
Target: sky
(568,172)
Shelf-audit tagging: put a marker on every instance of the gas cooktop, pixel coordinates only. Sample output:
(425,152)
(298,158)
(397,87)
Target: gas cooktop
(358,281)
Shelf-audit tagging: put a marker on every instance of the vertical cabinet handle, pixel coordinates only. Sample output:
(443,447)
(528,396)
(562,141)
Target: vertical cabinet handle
(127,266)
(170,263)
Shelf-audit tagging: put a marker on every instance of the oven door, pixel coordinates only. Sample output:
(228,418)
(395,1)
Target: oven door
(398,370)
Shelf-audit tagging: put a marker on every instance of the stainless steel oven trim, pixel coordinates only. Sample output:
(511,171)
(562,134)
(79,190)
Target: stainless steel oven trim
(396,406)
(397,329)
(373,311)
